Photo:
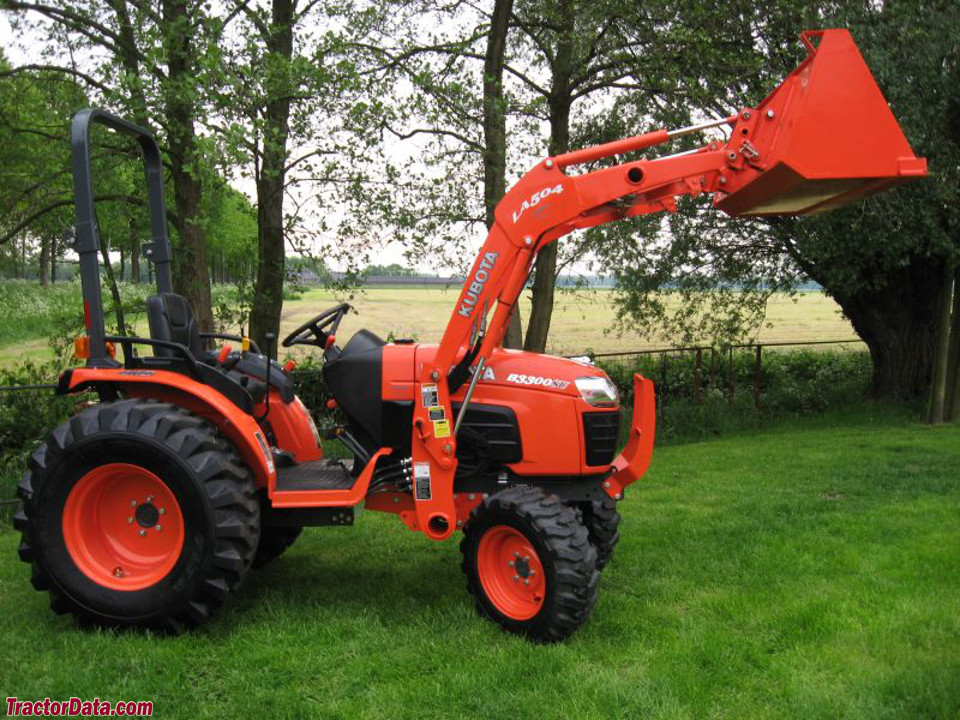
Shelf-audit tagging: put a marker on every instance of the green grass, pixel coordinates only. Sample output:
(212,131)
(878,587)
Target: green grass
(810,570)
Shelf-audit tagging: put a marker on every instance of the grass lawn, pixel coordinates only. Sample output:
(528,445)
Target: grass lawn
(810,570)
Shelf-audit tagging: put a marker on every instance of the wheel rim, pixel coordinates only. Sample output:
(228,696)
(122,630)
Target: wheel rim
(123,527)
(511,572)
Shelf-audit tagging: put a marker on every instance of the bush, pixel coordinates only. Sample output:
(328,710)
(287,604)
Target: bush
(793,383)
(26,416)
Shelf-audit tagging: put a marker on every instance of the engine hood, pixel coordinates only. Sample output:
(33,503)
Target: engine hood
(506,368)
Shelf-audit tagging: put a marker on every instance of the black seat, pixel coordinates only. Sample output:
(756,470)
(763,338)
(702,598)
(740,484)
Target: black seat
(171,319)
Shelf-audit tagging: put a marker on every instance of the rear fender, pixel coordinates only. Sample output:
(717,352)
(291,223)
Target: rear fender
(631,464)
(236,425)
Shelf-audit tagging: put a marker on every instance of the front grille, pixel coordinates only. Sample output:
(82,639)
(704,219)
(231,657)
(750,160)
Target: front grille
(600,433)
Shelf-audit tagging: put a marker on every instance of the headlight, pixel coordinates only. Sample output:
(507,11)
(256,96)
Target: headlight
(598,391)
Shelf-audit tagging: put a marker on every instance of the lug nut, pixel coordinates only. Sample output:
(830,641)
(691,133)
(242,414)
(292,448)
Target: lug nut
(133,503)
(158,528)
(130,521)
(118,571)
(516,578)
(511,563)
(143,533)
(516,554)
(770,114)
(149,498)
(526,581)
(162,511)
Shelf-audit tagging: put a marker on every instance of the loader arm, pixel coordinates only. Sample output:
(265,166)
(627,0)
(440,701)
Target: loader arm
(824,137)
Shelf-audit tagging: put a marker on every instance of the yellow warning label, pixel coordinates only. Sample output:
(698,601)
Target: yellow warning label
(441,428)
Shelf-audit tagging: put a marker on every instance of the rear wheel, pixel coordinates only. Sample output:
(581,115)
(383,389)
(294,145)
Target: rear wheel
(136,513)
(529,564)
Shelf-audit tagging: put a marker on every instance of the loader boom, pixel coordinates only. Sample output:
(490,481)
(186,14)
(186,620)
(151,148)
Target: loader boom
(824,137)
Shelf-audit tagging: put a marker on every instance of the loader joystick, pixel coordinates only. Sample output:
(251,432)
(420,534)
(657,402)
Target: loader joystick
(318,330)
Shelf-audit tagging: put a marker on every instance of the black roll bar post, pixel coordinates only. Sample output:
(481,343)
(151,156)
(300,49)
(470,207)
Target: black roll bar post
(87,238)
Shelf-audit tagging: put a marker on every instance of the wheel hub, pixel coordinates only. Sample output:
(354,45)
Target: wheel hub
(112,527)
(147,515)
(510,572)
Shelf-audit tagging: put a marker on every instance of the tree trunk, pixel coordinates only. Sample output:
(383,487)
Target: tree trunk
(123,264)
(953,362)
(560,100)
(898,323)
(268,291)
(495,135)
(938,382)
(44,268)
(134,255)
(190,277)
(54,249)
(127,50)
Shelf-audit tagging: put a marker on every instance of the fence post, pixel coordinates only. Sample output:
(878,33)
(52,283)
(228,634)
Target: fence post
(663,378)
(757,373)
(713,367)
(696,376)
(733,377)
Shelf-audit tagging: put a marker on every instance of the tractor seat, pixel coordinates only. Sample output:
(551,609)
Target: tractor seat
(171,319)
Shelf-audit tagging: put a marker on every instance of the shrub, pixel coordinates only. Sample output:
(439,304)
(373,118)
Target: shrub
(25,417)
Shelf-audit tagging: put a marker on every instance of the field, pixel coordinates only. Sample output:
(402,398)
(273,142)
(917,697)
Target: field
(805,571)
(581,318)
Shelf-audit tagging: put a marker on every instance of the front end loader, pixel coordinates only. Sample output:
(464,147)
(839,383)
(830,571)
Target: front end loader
(151,506)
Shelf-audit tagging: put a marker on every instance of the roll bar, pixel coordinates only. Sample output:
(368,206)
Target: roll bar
(87,238)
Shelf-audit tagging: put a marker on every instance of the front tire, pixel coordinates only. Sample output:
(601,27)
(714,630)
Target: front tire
(274,542)
(603,527)
(529,564)
(137,513)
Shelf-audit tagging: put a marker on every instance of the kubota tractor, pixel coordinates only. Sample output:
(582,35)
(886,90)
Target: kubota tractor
(150,507)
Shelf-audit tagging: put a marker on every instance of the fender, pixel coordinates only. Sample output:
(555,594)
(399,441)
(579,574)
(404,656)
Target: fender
(241,429)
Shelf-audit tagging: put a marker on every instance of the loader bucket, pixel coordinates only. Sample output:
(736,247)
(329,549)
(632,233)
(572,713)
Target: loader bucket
(823,138)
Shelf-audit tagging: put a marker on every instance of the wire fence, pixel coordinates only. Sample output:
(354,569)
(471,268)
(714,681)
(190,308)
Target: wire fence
(764,371)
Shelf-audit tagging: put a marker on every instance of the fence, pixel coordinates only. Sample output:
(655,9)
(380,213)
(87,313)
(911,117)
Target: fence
(697,372)
(759,369)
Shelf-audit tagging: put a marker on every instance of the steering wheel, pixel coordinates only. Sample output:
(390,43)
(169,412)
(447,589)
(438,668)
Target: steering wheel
(318,330)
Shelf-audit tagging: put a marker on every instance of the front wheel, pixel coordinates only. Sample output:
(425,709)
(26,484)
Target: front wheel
(137,513)
(529,564)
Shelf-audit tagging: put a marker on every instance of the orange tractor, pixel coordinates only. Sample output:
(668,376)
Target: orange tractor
(150,507)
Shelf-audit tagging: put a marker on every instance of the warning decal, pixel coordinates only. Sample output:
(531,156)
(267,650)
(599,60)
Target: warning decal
(429,395)
(421,476)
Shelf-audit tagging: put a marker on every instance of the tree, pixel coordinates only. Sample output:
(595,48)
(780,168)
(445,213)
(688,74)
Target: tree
(884,260)
(124,42)
(495,133)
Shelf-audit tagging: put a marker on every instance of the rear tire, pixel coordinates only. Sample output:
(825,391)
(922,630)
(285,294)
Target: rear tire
(274,542)
(182,544)
(603,527)
(529,564)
